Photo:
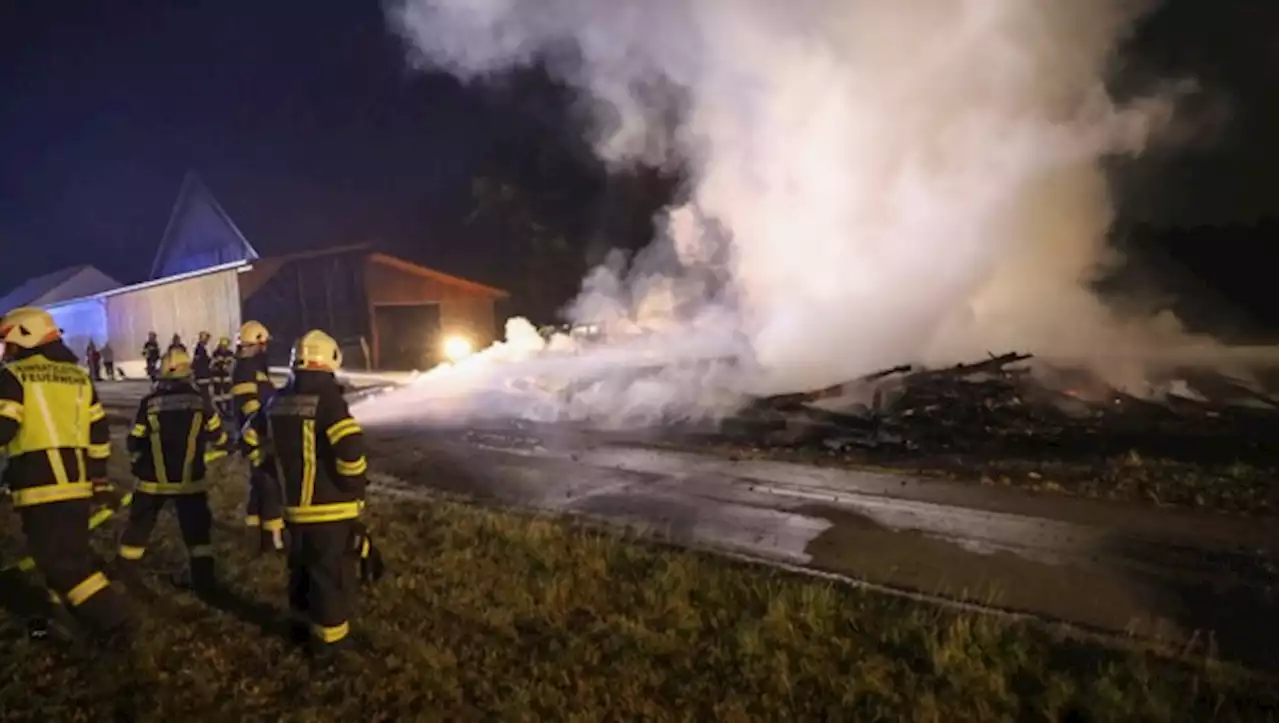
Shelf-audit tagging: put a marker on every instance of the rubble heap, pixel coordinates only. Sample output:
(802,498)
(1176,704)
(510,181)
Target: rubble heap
(998,406)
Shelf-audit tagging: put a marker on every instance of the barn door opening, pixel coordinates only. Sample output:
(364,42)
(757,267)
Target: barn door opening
(408,336)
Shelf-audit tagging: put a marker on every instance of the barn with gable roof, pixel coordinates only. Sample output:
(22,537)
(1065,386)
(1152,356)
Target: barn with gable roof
(386,312)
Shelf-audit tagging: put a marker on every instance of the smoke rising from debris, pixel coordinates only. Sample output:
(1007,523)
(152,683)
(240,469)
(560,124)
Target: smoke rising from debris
(872,182)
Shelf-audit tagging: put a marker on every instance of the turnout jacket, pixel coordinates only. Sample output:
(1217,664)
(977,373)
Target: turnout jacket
(220,362)
(251,387)
(52,426)
(306,440)
(201,366)
(175,433)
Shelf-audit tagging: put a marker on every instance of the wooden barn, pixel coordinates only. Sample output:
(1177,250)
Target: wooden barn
(386,312)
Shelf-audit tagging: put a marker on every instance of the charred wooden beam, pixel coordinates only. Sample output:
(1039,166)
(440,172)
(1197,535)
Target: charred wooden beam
(795,399)
(993,365)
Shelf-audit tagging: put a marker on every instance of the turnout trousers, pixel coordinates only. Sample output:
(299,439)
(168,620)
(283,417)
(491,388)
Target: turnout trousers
(322,578)
(222,402)
(205,387)
(58,539)
(194,519)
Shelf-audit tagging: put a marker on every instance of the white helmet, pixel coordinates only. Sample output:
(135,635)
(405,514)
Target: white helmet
(316,350)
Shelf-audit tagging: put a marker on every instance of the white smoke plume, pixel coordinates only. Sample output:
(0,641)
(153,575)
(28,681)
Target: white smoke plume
(872,182)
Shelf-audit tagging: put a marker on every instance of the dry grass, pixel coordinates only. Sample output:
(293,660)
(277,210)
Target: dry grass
(494,616)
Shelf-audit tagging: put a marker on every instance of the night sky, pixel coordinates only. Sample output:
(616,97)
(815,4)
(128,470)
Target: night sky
(307,125)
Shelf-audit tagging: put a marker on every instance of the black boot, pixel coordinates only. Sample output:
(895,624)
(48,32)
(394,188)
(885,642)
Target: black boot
(130,573)
(56,627)
(328,655)
(299,632)
(203,581)
(117,640)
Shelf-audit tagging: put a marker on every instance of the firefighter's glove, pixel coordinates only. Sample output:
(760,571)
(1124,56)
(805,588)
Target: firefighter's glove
(371,567)
(106,494)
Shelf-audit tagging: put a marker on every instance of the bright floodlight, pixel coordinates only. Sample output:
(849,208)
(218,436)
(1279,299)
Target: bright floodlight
(456,347)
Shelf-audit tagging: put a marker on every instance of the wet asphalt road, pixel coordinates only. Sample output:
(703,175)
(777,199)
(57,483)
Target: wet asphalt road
(1184,577)
(1190,578)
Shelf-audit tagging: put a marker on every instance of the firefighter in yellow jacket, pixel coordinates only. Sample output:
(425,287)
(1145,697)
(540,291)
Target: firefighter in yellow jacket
(175,432)
(306,439)
(251,387)
(54,430)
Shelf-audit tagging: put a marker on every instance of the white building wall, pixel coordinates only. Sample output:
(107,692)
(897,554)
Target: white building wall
(80,321)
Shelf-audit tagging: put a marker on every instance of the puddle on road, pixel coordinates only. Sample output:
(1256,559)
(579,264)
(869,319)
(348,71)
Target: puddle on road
(759,531)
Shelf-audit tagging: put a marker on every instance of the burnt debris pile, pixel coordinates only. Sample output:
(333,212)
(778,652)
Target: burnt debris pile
(1001,406)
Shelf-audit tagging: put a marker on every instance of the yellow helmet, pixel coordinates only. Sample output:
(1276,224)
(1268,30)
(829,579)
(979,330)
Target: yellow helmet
(253,332)
(28,327)
(316,350)
(224,341)
(175,364)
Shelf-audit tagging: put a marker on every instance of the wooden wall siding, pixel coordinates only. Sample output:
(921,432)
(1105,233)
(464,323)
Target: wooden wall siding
(393,286)
(470,316)
(319,292)
(204,303)
(258,274)
(462,311)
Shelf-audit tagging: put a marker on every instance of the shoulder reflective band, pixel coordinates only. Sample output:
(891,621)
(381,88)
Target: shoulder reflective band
(352,469)
(11,410)
(342,429)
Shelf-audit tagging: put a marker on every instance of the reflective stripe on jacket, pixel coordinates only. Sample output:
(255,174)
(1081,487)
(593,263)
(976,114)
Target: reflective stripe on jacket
(306,439)
(52,426)
(175,433)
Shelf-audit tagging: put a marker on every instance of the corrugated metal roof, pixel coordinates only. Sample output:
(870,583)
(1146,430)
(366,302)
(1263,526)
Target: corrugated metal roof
(61,285)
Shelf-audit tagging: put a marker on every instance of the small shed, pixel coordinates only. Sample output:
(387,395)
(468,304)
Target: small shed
(61,285)
(386,312)
(185,304)
(79,323)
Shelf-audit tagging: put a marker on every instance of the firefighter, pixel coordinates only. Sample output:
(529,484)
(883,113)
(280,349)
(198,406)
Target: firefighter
(220,362)
(251,387)
(176,343)
(175,433)
(201,366)
(54,430)
(151,353)
(306,439)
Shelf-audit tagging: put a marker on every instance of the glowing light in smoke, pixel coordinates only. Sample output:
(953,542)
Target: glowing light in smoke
(457,348)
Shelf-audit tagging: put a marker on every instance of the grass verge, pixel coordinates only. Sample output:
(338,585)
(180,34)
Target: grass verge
(488,615)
